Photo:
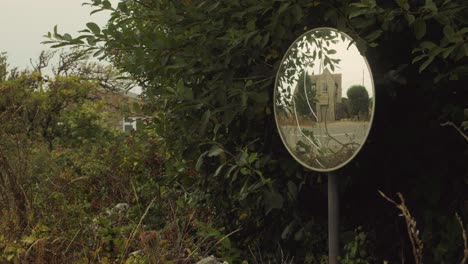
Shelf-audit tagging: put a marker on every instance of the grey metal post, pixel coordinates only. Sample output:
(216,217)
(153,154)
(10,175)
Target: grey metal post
(333,219)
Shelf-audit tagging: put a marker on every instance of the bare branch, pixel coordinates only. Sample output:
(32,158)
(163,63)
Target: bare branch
(465,240)
(457,128)
(413,232)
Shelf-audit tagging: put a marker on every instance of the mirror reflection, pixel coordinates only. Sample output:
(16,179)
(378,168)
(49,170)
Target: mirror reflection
(324,99)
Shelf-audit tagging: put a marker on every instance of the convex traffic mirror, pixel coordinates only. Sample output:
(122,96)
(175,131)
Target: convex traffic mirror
(324,99)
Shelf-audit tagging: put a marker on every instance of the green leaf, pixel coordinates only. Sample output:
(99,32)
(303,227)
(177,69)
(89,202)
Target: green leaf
(106,4)
(94,28)
(122,6)
(245,171)
(447,51)
(63,44)
(449,33)
(283,7)
(98,53)
(287,230)
(410,18)
(204,122)
(403,4)
(292,189)
(461,51)
(418,58)
(67,37)
(430,5)
(215,151)
(180,86)
(425,64)
(427,45)
(299,235)
(219,169)
(96,11)
(251,25)
(200,161)
(374,35)
(297,12)
(252,157)
(355,12)
(419,27)
(29,239)
(272,200)
(170,89)
(228,173)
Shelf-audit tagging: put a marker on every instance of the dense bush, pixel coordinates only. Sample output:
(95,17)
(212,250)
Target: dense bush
(74,189)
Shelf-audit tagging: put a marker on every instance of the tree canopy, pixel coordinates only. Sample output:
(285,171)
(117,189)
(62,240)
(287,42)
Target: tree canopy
(358,100)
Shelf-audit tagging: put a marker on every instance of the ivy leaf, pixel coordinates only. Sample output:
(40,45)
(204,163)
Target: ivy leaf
(419,27)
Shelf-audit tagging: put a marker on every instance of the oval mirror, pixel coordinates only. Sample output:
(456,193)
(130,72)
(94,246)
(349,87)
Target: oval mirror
(324,99)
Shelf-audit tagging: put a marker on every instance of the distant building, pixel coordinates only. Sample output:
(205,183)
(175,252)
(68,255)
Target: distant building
(121,108)
(328,94)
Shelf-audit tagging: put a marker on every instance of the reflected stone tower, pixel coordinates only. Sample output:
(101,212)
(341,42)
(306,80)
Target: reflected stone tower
(328,94)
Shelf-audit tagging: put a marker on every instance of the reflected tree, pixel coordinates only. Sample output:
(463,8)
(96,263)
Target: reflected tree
(358,101)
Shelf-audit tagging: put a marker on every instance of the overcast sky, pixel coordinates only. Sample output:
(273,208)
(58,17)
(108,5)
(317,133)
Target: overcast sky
(24,22)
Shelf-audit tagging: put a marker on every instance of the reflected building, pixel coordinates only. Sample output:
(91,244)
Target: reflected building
(328,94)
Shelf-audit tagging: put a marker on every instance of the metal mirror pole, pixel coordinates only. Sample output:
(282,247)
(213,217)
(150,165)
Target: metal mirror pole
(333,219)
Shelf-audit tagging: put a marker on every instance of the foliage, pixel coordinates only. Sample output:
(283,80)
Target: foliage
(358,100)
(356,250)
(75,189)
(208,68)
(3,66)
